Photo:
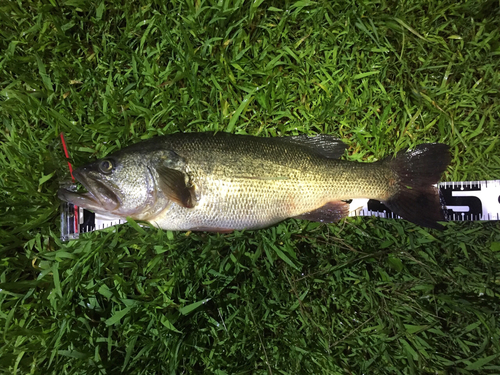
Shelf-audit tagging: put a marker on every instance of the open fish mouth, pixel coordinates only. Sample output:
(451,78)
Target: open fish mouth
(99,196)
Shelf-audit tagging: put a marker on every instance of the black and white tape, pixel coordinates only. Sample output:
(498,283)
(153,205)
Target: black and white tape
(463,201)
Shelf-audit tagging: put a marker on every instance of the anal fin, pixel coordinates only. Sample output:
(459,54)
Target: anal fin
(329,213)
(212,229)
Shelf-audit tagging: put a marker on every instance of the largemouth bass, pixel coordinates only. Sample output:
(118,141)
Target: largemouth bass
(223,182)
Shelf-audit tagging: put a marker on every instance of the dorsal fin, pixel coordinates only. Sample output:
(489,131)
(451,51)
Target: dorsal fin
(321,144)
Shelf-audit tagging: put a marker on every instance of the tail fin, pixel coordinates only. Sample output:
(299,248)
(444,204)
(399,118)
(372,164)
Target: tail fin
(417,200)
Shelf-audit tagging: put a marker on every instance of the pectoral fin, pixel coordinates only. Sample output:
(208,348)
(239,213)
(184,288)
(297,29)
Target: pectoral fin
(329,213)
(172,183)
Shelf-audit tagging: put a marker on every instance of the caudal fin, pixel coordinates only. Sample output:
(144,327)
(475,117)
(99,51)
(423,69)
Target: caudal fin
(417,200)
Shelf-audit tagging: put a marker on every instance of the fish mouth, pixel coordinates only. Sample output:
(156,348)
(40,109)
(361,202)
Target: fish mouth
(99,197)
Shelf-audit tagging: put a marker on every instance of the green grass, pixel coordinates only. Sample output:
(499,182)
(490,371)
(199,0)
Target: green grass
(366,296)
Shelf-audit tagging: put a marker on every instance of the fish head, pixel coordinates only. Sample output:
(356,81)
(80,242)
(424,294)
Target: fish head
(119,185)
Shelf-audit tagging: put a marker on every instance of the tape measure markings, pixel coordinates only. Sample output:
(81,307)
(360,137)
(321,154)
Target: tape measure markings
(463,201)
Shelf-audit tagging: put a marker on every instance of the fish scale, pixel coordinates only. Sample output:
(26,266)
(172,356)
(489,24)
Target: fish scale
(222,182)
(249,183)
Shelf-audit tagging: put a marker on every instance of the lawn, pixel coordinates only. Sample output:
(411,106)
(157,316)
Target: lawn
(365,296)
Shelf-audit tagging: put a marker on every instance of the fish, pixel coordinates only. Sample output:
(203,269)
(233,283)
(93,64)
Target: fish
(223,182)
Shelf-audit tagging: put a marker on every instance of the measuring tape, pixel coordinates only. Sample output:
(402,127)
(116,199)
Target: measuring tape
(463,201)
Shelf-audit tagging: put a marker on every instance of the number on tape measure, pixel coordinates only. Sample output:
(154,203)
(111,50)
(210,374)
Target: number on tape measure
(463,201)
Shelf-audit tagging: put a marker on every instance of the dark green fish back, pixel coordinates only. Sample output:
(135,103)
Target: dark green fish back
(252,182)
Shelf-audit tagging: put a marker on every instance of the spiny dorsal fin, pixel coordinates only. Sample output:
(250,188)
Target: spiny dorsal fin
(172,183)
(322,144)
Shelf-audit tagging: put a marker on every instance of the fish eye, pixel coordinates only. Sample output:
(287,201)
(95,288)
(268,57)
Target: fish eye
(106,166)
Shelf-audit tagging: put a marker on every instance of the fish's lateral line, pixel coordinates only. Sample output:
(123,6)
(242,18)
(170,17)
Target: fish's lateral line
(462,201)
